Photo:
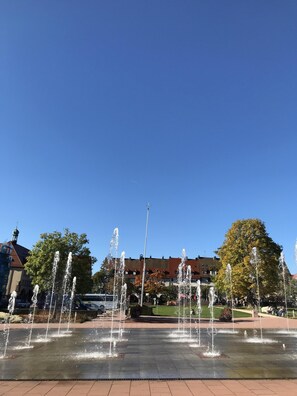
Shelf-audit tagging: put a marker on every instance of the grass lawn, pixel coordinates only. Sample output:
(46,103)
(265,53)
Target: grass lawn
(164,310)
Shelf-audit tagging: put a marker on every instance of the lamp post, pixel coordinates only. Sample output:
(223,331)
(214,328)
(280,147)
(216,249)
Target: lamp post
(144,254)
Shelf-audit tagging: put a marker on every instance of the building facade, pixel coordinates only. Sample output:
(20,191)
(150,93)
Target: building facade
(203,268)
(5,261)
(16,277)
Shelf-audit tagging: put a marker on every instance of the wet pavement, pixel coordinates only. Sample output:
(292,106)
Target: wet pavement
(146,354)
(149,352)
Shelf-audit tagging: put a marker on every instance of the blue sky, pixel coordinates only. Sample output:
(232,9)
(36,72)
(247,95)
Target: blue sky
(188,105)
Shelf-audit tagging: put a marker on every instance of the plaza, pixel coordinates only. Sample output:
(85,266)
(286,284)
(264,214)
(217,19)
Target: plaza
(151,362)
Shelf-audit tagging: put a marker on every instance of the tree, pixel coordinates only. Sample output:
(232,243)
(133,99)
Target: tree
(40,260)
(292,292)
(99,281)
(103,279)
(153,284)
(236,250)
(170,292)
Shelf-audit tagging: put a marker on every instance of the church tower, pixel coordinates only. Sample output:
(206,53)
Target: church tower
(15,235)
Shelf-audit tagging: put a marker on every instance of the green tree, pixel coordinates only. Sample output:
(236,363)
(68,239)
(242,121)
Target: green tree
(40,260)
(170,292)
(103,279)
(292,292)
(99,281)
(131,289)
(236,250)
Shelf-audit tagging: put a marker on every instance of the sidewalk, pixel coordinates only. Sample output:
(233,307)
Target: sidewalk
(155,322)
(150,388)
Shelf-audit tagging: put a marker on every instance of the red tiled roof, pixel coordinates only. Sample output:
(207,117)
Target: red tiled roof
(19,255)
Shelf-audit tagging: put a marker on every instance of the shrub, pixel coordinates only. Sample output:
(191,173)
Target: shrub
(135,311)
(13,318)
(226,315)
(147,310)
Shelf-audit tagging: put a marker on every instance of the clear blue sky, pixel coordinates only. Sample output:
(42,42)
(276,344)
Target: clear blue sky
(189,105)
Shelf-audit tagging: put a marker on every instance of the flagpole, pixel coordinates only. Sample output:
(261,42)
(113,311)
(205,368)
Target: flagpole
(144,254)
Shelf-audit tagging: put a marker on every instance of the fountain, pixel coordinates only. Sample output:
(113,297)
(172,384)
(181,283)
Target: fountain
(282,265)
(6,330)
(147,355)
(140,358)
(32,314)
(254,261)
(198,304)
(54,272)
(199,309)
(65,289)
(114,243)
(188,294)
(230,287)
(212,331)
(121,271)
(30,320)
(71,302)
(184,282)
(180,288)
(181,294)
(118,306)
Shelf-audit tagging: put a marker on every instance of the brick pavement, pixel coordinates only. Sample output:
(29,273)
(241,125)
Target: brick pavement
(150,388)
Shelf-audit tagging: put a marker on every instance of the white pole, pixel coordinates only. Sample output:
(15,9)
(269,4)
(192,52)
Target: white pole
(144,254)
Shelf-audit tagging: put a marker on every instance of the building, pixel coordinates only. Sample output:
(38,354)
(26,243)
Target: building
(5,260)
(17,279)
(203,268)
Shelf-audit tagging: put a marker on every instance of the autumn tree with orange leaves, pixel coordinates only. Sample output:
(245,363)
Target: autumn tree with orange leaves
(153,284)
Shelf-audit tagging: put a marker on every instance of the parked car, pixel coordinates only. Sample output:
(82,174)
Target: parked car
(95,307)
(22,304)
(90,307)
